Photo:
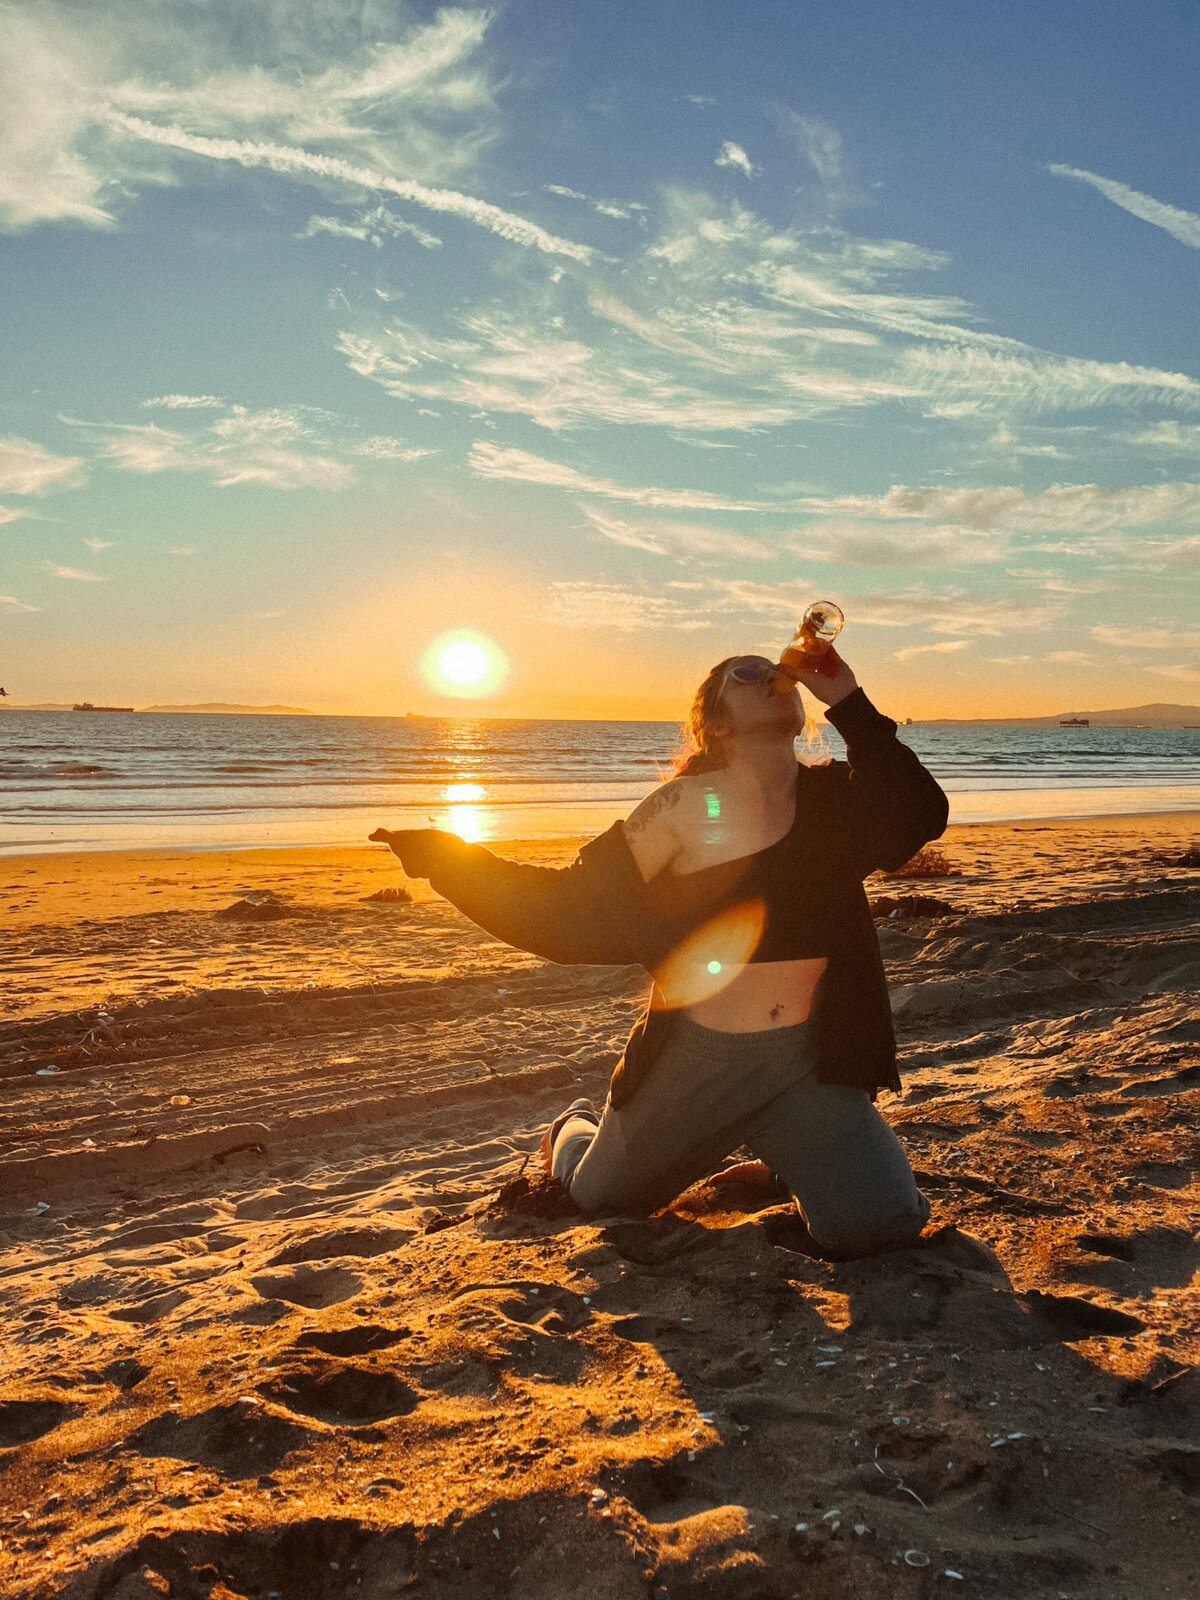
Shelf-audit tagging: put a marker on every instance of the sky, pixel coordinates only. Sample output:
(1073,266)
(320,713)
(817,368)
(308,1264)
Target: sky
(605,337)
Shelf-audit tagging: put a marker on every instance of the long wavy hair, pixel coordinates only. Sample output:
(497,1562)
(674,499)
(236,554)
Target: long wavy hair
(700,742)
(701,746)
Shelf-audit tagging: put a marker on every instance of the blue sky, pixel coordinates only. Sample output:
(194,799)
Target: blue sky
(614,334)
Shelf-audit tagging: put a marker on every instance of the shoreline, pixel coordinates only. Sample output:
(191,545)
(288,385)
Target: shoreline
(551,823)
(104,887)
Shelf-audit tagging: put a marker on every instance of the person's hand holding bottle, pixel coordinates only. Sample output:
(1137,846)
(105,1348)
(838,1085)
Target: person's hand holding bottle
(811,661)
(825,686)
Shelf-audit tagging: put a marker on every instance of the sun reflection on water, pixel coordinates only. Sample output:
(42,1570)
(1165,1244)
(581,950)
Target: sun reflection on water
(468,822)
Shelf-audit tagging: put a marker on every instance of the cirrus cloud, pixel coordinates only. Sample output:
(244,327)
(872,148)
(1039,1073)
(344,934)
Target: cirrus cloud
(29,468)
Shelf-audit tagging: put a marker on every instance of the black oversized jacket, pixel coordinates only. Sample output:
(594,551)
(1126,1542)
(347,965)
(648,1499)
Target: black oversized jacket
(875,809)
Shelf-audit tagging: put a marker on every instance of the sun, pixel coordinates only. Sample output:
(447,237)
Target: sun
(467,665)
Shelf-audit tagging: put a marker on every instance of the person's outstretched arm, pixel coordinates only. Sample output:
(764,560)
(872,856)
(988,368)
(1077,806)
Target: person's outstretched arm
(584,913)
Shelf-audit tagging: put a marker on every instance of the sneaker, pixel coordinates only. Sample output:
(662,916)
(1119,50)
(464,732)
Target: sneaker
(577,1108)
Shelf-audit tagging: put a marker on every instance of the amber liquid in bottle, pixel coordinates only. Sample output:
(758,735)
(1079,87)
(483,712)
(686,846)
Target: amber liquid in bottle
(809,650)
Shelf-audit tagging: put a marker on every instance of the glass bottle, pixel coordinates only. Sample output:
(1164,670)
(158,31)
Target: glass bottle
(809,650)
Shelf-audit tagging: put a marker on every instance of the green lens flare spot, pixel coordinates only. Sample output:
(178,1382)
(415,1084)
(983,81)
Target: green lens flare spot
(714,967)
(713,803)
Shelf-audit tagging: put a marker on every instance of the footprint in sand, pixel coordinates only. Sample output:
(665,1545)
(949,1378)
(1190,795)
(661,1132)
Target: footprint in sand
(358,1341)
(1068,1318)
(1176,1464)
(1163,1174)
(502,1550)
(124,1296)
(310,1287)
(125,1373)
(141,1235)
(367,1242)
(522,1328)
(1174,1083)
(22,1421)
(653,1243)
(1144,1259)
(260,1313)
(340,1394)
(1106,1244)
(239,1440)
(292,1200)
(660,1492)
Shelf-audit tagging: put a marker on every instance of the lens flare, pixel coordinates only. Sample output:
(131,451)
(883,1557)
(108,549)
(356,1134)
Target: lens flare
(711,957)
(469,666)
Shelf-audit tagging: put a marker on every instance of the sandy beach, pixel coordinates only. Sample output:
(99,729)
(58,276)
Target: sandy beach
(291,1311)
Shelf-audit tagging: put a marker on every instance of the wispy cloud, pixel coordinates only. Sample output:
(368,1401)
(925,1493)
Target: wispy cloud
(1058,583)
(613,608)
(1181,225)
(185,402)
(1069,508)
(820,144)
(733,156)
(945,647)
(1146,638)
(623,210)
(1006,443)
(383,448)
(954,611)
(677,539)
(253,448)
(1187,671)
(746,603)
(1018,378)
(96,545)
(866,544)
(74,574)
(29,468)
(519,466)
(499,362)
(14,604)
(1168,436)
(295,162)
(281,448)
(401,96)
(10,514)
(372,226)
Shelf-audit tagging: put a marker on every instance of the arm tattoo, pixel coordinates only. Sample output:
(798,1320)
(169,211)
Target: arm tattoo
(659,800)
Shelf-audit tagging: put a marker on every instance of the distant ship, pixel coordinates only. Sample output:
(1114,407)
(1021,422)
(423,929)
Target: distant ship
(86,705)
(1075,722)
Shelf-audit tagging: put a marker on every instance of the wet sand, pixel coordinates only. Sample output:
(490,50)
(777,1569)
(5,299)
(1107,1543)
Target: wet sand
(290,1310)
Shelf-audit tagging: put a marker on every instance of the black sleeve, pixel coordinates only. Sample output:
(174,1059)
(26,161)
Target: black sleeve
(894,805)
(572,914)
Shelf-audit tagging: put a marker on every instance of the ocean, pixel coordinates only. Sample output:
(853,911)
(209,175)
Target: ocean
(111,780)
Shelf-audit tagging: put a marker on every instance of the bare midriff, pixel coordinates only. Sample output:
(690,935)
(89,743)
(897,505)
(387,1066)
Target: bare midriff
(756,996)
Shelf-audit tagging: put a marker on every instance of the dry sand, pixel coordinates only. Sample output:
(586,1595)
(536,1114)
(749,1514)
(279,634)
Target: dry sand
(289,1310)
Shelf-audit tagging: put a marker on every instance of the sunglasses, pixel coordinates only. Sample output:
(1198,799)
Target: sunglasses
(750,672)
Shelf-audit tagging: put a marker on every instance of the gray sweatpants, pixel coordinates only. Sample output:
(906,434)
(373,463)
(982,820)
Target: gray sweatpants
(708,1094)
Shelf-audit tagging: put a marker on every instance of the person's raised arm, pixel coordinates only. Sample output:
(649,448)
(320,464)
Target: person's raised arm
(894,805)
